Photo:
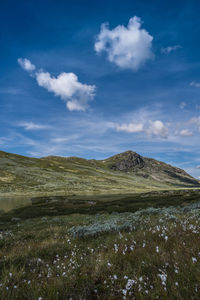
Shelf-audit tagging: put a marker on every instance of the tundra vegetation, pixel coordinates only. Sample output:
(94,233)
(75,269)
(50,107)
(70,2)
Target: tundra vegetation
(128,245)
(127,172)
(153,253)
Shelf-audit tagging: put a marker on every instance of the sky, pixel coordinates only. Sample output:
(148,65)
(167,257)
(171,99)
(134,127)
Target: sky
(96,78)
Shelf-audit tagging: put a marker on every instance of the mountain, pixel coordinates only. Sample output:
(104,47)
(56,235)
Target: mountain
(126,172)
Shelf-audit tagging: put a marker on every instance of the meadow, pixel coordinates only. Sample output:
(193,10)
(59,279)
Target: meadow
(149,253)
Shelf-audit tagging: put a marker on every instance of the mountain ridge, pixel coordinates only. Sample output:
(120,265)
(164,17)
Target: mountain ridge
(123,172)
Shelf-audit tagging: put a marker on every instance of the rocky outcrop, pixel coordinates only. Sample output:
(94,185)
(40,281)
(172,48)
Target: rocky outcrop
(129,162)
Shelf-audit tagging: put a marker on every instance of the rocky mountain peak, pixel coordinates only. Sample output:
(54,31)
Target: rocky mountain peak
(127,161)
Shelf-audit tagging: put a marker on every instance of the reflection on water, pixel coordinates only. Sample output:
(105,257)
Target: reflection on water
(9,203)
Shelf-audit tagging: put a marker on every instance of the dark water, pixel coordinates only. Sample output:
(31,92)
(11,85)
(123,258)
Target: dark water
(10,203)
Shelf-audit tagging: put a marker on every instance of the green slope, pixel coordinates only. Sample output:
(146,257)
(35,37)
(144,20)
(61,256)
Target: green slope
(127,172)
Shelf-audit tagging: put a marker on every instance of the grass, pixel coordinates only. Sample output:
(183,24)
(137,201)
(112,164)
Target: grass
(51,175)
(93,204)
(152,253)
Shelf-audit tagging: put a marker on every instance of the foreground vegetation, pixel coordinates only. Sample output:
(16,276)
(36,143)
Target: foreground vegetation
(152,253)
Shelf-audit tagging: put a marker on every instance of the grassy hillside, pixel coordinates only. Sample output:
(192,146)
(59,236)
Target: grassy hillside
(59,175)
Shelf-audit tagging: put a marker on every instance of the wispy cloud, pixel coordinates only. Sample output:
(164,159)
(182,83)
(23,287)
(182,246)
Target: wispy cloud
(128,47)
(170,49)
(33,126)
(195,121)
(66,85)
(26,64)
(182,105)
(131,127)
(195,84)
(11,91)
(65,139)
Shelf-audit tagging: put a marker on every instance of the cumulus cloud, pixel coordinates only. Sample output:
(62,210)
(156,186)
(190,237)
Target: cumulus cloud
(157,128)
(185,133)
(26,64)
(195,84)
(32,126)
(66,86)
(151,128)
(131,127)
(128,47)
(169,49)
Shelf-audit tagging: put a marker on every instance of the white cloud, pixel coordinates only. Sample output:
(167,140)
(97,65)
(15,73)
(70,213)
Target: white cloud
(185,133)
(169,49)
(151,128)
(33,126)
(131,127)
(65,139)
(26,64)
(128,47)
(60,140)
(66,85)
(195,84)
(157,128)
(182,105)
(198,167)
(195,121)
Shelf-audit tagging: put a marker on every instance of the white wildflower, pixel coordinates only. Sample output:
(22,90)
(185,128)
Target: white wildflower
(194,260)
(163,278)
(115,248)
(130,284)
(124,292)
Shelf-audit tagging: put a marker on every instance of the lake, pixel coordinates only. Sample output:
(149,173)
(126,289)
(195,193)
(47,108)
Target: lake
(8,203)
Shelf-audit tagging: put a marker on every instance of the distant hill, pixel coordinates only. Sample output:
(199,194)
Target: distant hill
(126,172)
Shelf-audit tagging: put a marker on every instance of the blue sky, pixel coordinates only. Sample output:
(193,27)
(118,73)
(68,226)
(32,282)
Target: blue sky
(95,78)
